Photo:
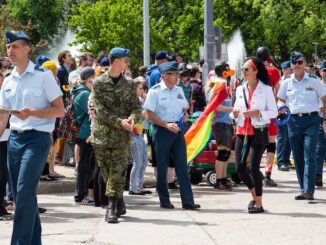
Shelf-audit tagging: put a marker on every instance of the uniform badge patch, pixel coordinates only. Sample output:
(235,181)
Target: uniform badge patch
(180,96)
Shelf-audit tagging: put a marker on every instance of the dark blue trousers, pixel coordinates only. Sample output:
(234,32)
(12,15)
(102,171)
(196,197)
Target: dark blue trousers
(27,154)
(3,175)
(321,149)
(283,146)
(303,133)
(166,143)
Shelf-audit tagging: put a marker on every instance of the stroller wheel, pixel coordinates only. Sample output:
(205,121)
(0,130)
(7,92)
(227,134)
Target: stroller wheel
(210,177)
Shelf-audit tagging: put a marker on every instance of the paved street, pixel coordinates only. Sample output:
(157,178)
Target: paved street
(223,219)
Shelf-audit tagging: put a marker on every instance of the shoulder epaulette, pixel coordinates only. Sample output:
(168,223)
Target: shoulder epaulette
(39,68)
(287,77)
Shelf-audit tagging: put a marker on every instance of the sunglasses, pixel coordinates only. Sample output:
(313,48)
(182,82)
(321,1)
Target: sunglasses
(245,69)
(299,62)
(323,70)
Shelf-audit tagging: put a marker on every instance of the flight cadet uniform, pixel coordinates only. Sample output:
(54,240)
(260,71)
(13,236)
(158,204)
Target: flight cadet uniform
(112,103)
(302,97)
(29,142)
(168,105)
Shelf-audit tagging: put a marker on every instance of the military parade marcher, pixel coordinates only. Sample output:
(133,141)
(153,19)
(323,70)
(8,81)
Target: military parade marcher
(274,78)
(283,148)
(254,106)
(115,102)
(302,92)
(321,143)
(165,103)
(36,98)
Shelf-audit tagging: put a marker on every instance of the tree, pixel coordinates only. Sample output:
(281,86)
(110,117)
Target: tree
(45,14)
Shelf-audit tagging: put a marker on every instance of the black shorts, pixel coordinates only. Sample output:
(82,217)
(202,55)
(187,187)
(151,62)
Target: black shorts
(223,134)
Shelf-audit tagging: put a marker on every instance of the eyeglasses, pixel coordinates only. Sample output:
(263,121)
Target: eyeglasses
(299,62)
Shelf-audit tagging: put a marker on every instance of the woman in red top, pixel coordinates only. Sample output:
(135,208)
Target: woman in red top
(253,108)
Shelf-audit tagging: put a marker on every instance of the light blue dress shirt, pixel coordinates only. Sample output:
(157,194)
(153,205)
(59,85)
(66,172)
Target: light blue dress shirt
(167,104)
(303,96)
(33,89)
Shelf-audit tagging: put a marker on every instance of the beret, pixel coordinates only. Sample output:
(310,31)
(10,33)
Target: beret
(119,52)
(168,67)
(105,62)
(12,36)
(162,55)
(295,55)
(87,72)
(286,65)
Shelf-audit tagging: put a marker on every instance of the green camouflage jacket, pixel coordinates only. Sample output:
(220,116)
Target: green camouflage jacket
(112,103)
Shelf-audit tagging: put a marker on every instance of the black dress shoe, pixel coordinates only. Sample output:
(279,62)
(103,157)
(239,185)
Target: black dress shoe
(42,210)
(167,206)
(256,210)
(299,197)
(308,195)
(190,206)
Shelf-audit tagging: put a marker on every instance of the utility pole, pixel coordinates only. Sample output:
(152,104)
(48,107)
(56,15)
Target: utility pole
(146,42)
(208,39)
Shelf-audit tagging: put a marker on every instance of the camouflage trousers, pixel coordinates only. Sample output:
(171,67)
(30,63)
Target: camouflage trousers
(113,164)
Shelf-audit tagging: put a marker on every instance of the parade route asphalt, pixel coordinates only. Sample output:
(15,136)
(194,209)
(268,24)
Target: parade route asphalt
(223,219)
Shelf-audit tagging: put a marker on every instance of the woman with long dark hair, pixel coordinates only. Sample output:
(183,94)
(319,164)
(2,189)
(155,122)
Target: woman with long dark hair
(253,108)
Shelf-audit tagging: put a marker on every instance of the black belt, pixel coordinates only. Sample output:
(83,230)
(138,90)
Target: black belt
(305,114)
(23,131)
(174,122)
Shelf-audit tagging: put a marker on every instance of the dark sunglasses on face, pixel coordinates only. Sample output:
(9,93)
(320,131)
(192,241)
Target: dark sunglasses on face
(299,62)
(323,70)
(245,69)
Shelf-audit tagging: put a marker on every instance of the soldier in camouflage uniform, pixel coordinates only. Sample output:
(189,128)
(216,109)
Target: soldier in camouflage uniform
(115,103)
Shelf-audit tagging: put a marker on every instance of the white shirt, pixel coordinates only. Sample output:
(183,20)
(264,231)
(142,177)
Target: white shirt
(262,100)
(167,104)
(33,89)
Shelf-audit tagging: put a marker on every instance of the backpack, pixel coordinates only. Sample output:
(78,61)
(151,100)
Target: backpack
(68,126)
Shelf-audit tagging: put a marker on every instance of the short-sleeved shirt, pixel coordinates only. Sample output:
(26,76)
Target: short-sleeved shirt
(167,104)
(35,88)
(303,96)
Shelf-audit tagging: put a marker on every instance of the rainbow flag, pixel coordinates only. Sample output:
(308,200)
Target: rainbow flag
(200,131)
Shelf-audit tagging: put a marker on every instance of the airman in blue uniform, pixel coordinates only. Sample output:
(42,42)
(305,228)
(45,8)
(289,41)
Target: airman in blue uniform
(165,104)
(302,93)
(36,98)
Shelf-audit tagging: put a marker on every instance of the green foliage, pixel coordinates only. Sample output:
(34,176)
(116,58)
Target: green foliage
(45,14)
(177,26)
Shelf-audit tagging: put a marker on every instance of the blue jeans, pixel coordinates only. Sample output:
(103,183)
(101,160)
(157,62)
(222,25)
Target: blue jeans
(283,146)
(139,155)
(321,149)
(302,134)
(167,143)
(27,154)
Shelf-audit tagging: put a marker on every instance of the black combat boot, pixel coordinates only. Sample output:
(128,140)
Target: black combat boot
(121,207)
(111,212)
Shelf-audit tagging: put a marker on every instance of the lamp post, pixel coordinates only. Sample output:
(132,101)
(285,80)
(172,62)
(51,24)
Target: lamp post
(146,42)
(208,40)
